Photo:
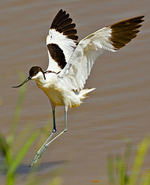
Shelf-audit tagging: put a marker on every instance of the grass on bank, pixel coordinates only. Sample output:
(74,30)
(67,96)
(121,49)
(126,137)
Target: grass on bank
(118,172)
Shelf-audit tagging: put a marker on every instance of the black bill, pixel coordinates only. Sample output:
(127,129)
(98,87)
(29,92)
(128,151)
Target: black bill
(29,78)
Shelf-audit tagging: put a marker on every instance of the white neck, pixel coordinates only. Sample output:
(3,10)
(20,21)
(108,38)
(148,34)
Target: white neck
(39,78)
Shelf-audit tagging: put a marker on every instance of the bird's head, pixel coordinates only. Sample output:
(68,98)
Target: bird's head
(35,73)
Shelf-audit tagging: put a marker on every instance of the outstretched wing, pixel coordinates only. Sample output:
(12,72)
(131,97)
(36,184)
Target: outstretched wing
(110,38)
(60,41)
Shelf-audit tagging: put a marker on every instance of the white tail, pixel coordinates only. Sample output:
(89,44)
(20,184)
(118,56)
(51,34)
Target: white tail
(84,92)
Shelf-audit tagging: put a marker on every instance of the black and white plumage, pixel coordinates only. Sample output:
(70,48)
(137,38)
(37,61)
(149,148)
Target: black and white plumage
(61,41)
(70,62)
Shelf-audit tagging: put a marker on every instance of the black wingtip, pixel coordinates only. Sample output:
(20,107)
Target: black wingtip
(124,31)
(63,24)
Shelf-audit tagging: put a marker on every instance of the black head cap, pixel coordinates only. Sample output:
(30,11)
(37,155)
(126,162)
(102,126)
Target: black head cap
(34,71)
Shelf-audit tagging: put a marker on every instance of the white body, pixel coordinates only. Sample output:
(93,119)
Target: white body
(59,94)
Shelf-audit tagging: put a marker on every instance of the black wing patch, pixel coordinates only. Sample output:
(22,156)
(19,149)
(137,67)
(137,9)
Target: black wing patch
(63,24)
(57,54)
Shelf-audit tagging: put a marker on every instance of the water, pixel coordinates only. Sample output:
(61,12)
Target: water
(118,108)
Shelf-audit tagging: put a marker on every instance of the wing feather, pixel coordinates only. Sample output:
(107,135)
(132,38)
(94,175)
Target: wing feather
(109,38)
(60,41)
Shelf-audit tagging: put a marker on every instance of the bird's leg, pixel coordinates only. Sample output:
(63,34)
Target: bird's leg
(44,146)
(65,129)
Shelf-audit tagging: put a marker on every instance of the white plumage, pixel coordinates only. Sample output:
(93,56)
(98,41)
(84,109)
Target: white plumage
(70,63)
(66,44)
(81,62)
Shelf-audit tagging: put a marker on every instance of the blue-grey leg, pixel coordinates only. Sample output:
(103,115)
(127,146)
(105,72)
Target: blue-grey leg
(48,141)
(65,129)
(44,146)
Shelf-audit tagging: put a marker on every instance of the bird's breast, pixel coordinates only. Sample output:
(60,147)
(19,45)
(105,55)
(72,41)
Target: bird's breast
(54,93)
(58,93)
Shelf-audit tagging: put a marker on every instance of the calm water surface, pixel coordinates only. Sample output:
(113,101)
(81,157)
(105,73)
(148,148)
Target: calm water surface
(119,107)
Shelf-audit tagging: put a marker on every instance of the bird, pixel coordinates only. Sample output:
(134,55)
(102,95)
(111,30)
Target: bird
(70,62)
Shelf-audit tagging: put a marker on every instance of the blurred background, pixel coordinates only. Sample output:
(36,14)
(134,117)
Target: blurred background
(119,108)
